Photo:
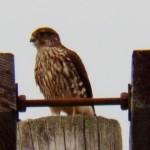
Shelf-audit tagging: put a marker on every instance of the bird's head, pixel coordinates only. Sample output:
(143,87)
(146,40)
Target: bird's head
(45,36)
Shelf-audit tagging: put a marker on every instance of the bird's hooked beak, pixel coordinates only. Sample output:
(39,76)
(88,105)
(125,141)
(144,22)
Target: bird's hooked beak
(32,39)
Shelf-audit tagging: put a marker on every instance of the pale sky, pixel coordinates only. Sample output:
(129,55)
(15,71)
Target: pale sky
(104,33)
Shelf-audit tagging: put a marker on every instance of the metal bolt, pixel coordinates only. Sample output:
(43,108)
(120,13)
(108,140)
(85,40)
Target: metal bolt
(22,103)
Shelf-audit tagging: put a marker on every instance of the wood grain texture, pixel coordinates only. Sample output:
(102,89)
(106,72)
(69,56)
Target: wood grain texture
(69,133)
(7,103)
(140,101)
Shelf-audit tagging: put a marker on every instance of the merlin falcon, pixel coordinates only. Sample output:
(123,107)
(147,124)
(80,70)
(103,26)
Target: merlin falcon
(60,73)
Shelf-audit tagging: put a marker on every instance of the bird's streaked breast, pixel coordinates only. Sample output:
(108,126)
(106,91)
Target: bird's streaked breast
(56,75)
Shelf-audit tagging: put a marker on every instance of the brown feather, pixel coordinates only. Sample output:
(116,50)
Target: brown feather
(76,60)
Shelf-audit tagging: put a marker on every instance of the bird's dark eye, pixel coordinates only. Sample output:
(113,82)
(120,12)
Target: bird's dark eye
(45,34)
(41,33)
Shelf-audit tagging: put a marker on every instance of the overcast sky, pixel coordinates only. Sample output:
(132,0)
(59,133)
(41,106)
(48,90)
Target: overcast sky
(104,33)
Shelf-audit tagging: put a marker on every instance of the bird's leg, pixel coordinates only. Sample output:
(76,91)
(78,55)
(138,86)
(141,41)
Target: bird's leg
(74,111)
(55,111)
(55,114)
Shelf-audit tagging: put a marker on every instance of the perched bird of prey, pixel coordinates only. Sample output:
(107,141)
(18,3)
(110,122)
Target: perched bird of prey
(59,72)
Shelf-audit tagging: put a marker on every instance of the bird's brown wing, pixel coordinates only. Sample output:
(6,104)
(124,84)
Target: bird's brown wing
(81,71)
(76,60)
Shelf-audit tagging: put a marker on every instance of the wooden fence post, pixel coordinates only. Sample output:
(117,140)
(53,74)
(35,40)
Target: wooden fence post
(140,101)
(7,103)
(69,133)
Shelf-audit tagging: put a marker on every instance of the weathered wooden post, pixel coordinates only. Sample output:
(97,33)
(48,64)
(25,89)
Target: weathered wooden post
(69,133)
(7,103)
(140,101)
